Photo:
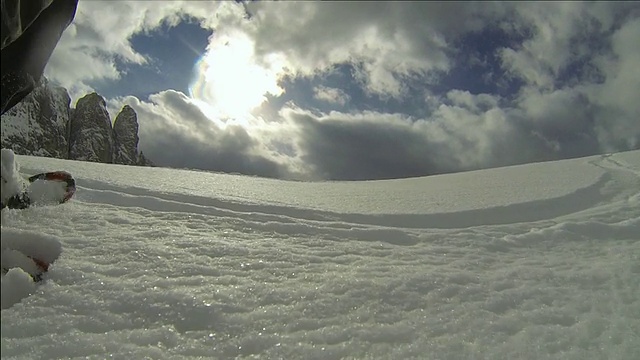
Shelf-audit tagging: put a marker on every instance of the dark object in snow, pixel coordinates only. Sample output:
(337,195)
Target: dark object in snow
(30,31)
(17,201)
(43,267)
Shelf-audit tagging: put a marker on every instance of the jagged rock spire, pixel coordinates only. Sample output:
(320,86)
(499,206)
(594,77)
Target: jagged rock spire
(125,135)
(91,137)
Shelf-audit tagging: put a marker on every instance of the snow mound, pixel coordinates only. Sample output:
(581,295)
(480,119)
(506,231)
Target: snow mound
(43,192)
(12,183)
(19,248)
(17,284)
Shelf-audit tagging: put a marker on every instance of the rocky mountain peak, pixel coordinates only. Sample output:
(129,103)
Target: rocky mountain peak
(91,100)
(44,124)
(39,124)
(91,138)
(125,134)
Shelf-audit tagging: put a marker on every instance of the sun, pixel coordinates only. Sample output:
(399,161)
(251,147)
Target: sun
(229,83)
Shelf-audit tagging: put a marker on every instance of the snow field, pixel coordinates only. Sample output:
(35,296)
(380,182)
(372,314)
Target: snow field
(538,261)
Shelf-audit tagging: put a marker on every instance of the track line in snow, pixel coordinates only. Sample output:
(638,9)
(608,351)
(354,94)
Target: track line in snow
(580,199)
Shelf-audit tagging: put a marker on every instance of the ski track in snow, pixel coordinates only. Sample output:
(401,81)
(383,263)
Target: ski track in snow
(167,270)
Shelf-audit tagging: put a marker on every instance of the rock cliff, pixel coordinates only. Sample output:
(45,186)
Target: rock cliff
(39,125)
(91,136)
(125,134)
(44,124)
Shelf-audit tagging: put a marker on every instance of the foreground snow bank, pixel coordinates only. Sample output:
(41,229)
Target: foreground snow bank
(20,248)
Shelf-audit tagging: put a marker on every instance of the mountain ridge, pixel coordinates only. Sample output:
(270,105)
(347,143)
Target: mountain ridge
(45,124)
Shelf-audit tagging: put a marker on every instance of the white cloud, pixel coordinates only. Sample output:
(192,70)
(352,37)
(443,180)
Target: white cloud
(562,34)
(387,43)
(304,145)
(330,95)
(539,59)
(101,33)
(472,102)
(593,44)
(616,99)
(172,120)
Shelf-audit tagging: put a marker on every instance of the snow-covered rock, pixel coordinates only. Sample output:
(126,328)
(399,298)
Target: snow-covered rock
(39,124)
(125,136)
(91,135)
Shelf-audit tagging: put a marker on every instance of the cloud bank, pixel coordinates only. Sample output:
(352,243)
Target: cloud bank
(575,64)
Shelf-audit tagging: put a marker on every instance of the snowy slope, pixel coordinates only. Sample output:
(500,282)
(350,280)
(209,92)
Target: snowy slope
(538,261)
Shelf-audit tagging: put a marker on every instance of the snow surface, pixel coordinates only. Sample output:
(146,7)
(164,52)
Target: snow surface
(539,261)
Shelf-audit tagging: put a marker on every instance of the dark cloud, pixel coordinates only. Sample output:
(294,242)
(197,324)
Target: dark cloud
(175,133)
(471,133)
(468,132)
(562,124)
(349,149)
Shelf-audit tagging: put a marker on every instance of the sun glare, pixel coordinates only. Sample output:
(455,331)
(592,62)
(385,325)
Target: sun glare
(229,83)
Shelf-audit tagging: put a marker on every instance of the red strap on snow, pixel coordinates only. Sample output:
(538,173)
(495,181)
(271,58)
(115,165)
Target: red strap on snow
(42,265)
(57,175)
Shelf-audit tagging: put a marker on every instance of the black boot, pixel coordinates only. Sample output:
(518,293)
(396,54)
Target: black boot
(18,201)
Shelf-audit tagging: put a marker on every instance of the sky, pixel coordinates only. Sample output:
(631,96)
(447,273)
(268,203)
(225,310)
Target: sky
(454,266)
(361,90)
